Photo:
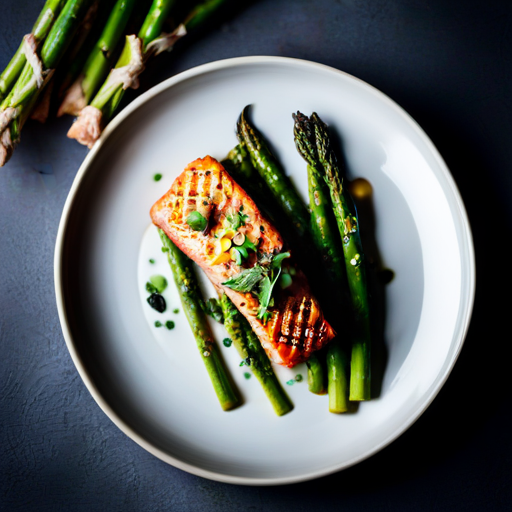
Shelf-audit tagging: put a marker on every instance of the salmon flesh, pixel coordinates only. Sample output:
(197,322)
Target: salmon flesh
(216,224)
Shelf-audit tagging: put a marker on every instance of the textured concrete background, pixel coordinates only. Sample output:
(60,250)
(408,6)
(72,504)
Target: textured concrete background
(448,63)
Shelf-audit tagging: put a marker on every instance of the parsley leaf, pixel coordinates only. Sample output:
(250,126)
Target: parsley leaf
(264,293)
(260,281)
(246,280)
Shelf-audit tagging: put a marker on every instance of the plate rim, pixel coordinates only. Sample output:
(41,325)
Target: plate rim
(466,253)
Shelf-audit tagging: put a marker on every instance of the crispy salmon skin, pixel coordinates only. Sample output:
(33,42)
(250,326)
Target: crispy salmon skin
(216,224)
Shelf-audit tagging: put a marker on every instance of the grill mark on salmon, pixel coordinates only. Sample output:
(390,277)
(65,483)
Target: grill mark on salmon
(297,326)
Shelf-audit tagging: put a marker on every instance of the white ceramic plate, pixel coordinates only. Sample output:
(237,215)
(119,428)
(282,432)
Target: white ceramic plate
(150,381)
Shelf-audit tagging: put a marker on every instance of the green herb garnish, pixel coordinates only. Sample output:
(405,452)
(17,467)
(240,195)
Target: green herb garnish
(246,280)
(150,287)
(247,375)
(260,281)
(196,221)
(169,324)
(298,377)
(237,219)
(241,251)
(158,323)
(159,283)
(152,261)
(157,176)
(227,342)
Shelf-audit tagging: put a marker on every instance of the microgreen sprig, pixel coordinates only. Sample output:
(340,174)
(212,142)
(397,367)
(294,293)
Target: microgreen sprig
(260,280)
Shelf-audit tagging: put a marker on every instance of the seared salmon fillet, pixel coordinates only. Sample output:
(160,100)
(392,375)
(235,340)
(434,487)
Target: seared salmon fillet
(216,224)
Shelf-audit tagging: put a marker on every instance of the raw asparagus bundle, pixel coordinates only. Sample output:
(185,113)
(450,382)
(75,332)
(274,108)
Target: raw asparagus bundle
(137,50)
(348,226)
(99,61)
(328,244)
(16,107)
(39,32)
(78,46)
(91,120)
(188,288)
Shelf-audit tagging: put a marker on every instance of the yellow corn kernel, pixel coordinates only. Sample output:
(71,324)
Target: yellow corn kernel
(223,257)
(225,244)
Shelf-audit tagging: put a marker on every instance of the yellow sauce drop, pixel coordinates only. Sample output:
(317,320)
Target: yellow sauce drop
(361,188)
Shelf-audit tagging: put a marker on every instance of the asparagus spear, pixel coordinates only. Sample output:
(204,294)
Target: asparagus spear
(99,61)
(322,223)
(201,12)
(250,350)
(328,244)
(315,375)
(273,175)
(16,106)
(150,42)
(238,164)
(346,218)
(186,282)
(39,32)
(337,386)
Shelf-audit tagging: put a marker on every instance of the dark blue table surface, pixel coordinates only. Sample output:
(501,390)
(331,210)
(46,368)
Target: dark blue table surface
(449,64)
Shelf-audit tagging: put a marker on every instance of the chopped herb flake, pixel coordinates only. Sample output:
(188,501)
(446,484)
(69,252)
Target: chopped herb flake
(169,324)
(152,261)
(291,382)
(175,311)
(159,282)
(157,176)
(150,288)
(158,323)
(227,342)
(298,377)
(247,375)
